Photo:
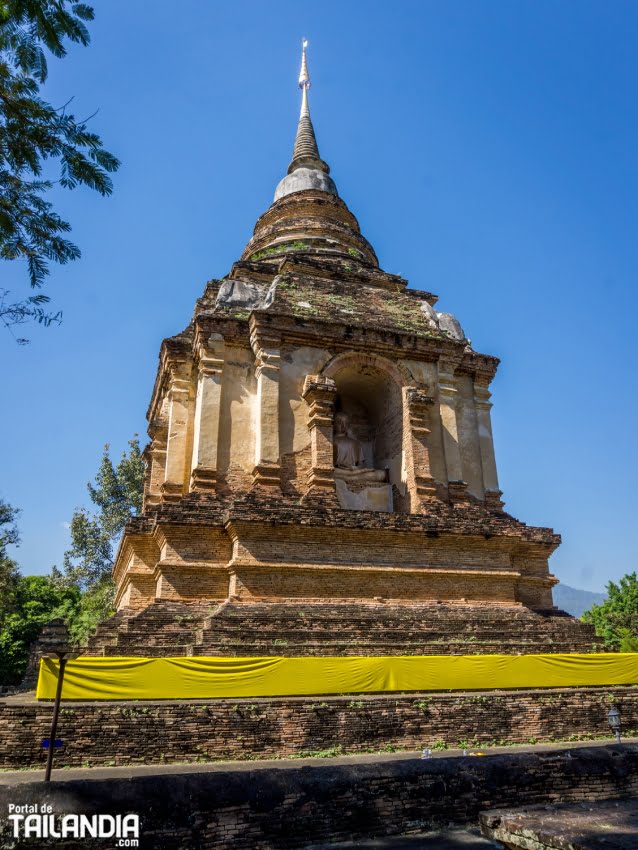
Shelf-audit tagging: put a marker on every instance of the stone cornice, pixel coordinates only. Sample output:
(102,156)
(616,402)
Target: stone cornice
(471,519)
(481,367)
(234,331)
(340,336)
(140,544)
(440,520)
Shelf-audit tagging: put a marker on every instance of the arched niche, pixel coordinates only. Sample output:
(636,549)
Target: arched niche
(369,391)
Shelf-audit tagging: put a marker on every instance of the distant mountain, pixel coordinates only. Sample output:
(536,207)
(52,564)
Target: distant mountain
(574,600)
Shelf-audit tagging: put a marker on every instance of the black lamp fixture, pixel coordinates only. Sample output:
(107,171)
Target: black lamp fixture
(614,721)
(54,643)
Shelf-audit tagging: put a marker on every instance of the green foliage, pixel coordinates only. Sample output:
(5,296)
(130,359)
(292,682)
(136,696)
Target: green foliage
(9,578)
(628,642)
(26,310)
(83,594)
(38,599)
(117,495)
(33,132)
(616,619)
(275,250)
(95,605)
(331,752)
(9,575)
(9,534)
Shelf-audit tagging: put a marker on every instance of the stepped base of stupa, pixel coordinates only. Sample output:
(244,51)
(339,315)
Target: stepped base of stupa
(263,548)
(325,629)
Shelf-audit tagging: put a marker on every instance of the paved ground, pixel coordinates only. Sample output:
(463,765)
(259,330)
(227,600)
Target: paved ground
(14,777)
(446,840)
(608,825)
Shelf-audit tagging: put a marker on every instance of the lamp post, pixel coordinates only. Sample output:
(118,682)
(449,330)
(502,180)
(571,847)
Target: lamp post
(54,640)
(614,721)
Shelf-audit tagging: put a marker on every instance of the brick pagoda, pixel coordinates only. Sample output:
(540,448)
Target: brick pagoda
(321,474)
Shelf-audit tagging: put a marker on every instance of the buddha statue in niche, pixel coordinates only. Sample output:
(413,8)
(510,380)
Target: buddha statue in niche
(349,459)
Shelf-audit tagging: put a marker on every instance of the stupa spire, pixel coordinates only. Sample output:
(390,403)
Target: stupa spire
(305,153)
(304,76)
(306,170)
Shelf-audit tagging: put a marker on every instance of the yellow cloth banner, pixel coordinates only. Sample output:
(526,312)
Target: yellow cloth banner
(129,678)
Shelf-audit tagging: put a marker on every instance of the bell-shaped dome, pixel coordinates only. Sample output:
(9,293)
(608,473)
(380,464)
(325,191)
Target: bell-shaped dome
(307,214)
(305,178)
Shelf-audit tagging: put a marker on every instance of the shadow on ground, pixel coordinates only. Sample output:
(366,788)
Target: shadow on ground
(446,840)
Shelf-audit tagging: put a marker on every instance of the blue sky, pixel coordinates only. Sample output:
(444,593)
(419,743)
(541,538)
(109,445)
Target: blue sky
(489,150)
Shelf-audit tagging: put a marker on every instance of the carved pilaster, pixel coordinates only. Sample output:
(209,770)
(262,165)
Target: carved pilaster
(266,347)
(419,407)
(483,407)
(319,394)
(210,363)
(448,400)
(179,400)
(155,459)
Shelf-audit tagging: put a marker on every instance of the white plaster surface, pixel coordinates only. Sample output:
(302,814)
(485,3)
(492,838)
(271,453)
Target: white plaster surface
(293,411)
(366,499)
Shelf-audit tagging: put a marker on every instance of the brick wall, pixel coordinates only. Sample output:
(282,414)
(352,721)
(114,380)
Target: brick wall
(155,732)
(266,808)
(175,628)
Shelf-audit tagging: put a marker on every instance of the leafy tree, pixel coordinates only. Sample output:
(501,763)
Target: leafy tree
(26,603)
(9,534)
(616,619)
(117,496)
(38,599)
(95,605)
(628,642)
(32,133)
(83,594)
(9,575)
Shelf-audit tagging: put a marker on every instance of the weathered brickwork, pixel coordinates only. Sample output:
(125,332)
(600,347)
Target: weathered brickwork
(152,732)
(241,421)
(321,434)
(295,469)
(279,550)
(231,628)
(296,807)
(594,825)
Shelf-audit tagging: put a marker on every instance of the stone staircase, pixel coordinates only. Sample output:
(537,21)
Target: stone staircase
(258,629)
(163,628)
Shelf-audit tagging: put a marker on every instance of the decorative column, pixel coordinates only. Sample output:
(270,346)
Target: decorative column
(320,393)
(207,413)
(266,345)
(448,395)
(483,407)
(419,406)
(154,456)
(179,400)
